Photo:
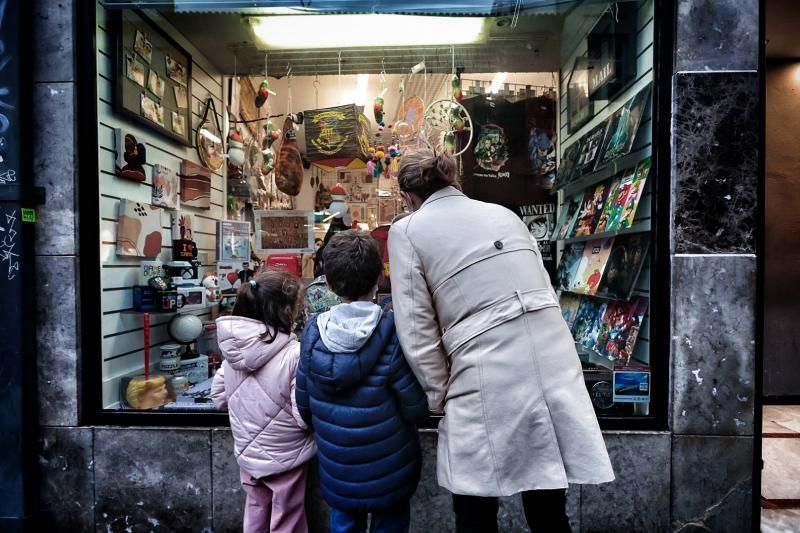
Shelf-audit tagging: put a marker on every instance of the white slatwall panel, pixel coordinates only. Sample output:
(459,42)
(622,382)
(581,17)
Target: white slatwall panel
(123,341)
(578,24)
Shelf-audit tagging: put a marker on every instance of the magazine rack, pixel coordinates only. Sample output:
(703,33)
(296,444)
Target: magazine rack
(604,232)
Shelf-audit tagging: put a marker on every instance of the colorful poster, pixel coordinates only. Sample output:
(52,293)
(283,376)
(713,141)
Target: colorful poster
(588,321)
(165,187)
(138,229)
(567,218)
(635,194)
(233,240)
(617,204)
(592,265)
(589,216)
(568,267)
(195,185)
(569,307)
(622,127)
(625,262)
(619,331)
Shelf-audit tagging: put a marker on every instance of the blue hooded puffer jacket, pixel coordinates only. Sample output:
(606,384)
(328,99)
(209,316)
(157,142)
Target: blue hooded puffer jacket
(362,406)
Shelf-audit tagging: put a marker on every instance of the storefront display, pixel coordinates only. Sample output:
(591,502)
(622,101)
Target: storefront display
(560,136)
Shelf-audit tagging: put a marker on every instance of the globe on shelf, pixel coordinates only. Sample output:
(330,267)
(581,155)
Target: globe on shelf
(185,329)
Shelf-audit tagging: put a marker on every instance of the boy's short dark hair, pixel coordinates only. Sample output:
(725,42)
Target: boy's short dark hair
(352,263)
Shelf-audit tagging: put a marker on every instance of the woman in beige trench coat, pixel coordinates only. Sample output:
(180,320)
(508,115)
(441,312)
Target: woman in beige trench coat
(482,330)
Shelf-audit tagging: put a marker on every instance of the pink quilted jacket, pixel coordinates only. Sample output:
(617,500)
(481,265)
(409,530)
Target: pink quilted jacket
(256,385)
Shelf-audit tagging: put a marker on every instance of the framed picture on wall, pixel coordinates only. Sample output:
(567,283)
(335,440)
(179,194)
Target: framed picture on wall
(153,76)
(284,232)
(579,107)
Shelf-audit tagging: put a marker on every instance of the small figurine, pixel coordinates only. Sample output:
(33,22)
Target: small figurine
(147,393)
(455,84)
(236,149)
(211,284)
(263,93)
(378,109)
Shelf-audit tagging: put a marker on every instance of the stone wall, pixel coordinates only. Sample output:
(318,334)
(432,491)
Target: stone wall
(715,173)
(696,476)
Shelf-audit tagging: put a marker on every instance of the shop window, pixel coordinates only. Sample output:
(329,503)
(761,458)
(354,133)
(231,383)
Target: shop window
(549,112)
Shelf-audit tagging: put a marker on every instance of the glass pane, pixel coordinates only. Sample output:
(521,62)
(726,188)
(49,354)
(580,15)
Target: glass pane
(548,113)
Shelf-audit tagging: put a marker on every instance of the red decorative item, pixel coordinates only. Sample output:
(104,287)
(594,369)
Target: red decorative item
(146,329)
(285,263)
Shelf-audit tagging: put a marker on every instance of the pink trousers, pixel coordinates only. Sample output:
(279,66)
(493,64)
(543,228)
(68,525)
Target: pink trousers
(275,503)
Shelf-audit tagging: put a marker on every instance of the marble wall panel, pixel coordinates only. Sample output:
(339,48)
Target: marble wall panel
(715,140)
(638,499)
(56,340)
(54,167)
(227,494)
(713,344)
(66,479)
(712,483)
(53,35)
(153,480)
(717,35)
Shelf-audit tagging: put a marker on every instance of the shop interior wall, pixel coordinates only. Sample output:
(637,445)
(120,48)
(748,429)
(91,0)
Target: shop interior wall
(122,346)
(579,23)
(782,231)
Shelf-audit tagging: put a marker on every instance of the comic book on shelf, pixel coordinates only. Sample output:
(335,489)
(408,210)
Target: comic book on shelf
(605,213)
(569,307)
(622,127)
(588,321)
(567,218)
(592,265)
(616,205)
(589,151)
(619,330)
(591,208)
(624,265)
(635,194)
(569,160)
(567,268)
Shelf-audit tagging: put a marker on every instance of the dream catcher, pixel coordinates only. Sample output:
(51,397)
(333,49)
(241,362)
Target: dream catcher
(447,125)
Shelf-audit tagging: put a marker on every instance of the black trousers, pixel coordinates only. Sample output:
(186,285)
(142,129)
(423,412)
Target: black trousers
(545,511)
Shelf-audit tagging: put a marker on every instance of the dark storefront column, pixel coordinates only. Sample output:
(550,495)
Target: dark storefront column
(716,138)
(65,454)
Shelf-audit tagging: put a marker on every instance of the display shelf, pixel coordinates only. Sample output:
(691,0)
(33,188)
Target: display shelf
(637,227)
(591,356)
(608,171)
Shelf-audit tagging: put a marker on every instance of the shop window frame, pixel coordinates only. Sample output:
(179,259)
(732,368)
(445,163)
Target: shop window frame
(89,314)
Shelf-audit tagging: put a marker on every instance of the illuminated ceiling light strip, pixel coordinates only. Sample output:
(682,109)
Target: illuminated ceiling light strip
(335,31)
(498,80)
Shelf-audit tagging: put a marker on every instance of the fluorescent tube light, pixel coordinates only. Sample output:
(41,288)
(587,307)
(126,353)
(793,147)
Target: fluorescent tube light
(343,31)
(362,85)
(498,80)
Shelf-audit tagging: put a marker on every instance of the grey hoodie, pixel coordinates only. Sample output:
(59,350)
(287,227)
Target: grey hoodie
(348,327)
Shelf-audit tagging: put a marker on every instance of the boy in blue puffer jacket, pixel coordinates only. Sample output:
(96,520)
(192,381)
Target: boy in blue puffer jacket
(356,390)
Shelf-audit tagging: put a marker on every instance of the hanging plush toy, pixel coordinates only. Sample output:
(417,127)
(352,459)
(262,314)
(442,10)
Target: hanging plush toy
(378,109)
(263,93)
(236,149)
(455,84)
(268,163)
(271,134)
(289,169)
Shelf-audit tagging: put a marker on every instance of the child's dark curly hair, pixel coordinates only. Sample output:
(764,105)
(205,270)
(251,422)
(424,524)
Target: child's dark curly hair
(272,297)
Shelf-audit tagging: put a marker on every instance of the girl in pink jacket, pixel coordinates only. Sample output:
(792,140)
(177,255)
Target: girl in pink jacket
(256,384)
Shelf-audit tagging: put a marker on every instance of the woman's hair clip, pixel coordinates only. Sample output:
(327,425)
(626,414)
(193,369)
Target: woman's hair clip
(252,283)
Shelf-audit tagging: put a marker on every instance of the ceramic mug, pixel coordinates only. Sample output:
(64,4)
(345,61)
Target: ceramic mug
(149,269)
(169,350)
(170,301)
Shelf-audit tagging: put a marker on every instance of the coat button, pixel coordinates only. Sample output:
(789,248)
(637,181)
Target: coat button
(498,245)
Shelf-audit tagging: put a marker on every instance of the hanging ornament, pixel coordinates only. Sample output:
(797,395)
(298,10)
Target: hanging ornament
(271,134)
(263,93)
(378,109)
(268,163)
(458,94)
(236,149)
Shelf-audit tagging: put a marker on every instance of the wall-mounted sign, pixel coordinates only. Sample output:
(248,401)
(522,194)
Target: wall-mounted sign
(579,107)
(611,52)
